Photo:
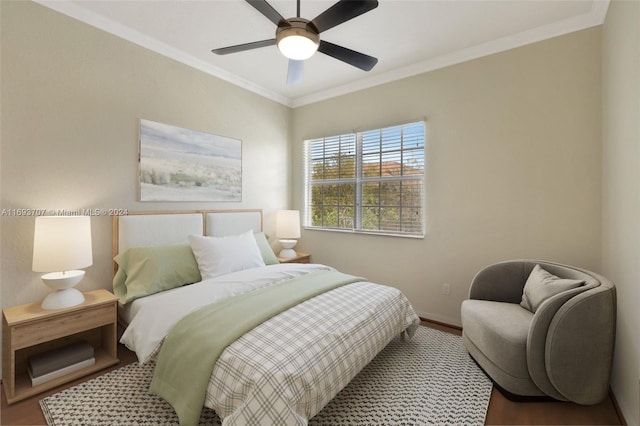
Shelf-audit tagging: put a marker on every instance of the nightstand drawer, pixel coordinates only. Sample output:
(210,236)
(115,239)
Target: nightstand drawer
(55,327)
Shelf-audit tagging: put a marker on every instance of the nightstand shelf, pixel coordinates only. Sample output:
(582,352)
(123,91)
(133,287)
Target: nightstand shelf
(23,388)
(300,258)
(29,330)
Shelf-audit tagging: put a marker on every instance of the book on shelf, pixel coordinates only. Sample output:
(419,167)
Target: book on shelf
(35,381)
(56,359)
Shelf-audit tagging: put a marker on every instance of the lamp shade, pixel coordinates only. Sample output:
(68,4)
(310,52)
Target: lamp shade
(288,224)
(62,243)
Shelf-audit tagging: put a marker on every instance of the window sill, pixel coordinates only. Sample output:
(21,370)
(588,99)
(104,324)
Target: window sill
(356,232)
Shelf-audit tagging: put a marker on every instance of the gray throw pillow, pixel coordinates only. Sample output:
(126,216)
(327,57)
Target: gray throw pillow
(542,285)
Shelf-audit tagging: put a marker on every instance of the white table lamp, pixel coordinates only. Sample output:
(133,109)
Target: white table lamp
(61,246)
(287,231)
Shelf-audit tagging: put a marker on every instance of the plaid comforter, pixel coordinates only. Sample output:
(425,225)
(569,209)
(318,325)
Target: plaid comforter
(287,369)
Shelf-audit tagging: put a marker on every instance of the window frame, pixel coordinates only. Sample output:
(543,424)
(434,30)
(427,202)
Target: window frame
(359,180)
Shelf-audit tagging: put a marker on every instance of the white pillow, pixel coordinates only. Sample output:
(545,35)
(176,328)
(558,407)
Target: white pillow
(222,255)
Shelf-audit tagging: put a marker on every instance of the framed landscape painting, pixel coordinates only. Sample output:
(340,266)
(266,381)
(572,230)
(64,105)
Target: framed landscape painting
(179,164)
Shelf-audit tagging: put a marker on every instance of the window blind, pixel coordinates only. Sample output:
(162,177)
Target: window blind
(370,181)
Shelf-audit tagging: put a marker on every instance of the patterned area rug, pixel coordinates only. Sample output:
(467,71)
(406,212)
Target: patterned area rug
(427,380)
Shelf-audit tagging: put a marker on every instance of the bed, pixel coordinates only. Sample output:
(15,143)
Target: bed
(278,364)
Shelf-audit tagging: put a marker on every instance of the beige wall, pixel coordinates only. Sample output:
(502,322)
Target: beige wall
(621,192)
(72,97)
(513,168)
(514,156)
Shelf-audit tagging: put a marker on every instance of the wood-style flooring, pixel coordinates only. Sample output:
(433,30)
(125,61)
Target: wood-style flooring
(501,410)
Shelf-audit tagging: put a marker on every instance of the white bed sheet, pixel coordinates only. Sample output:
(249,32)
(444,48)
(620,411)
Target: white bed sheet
(151,318)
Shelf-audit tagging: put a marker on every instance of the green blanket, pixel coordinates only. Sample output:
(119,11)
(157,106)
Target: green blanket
(192,348)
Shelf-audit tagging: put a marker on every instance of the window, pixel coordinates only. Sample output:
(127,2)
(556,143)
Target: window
(370,181)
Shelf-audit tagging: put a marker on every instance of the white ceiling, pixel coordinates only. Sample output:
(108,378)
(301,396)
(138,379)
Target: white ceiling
(407,36)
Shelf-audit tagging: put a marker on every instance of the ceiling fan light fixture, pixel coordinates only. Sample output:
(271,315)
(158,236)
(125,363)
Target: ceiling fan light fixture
(297,47)
(296,41)
(298,38)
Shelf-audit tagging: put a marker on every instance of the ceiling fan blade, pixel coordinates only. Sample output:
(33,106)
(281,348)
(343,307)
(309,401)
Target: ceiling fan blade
(245,46)
(342,11)
(267,10)
(294,74)
(351,57)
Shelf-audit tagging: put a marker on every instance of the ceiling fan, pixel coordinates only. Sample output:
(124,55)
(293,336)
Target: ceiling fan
(298,38)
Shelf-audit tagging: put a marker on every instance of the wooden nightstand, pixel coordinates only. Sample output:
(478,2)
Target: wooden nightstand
(300,258)
(28,330)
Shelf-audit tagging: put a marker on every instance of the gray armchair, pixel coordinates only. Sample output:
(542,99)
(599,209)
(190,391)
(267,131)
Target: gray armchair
(564,349)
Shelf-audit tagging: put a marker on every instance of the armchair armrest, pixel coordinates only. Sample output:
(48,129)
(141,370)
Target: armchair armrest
(580,344)
(571,340)
(538,337)
(501,282)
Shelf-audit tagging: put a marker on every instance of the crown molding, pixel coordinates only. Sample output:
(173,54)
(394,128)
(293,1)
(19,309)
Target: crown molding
(98,21)
(594,17)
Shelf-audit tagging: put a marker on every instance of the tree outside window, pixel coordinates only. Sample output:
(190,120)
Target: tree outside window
(370,181)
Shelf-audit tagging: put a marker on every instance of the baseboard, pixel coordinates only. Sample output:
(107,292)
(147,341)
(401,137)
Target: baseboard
(440,319)
(616,407)
(444,324)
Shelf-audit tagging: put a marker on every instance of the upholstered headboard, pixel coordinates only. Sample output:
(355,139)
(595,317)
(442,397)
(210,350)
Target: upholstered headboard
(154,228)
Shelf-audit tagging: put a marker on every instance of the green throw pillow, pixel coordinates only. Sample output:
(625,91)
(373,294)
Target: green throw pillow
(147,270)
(266,251)
(542,285)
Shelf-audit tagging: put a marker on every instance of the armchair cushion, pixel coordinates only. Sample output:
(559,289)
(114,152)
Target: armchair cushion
(542,285)
(501,329)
